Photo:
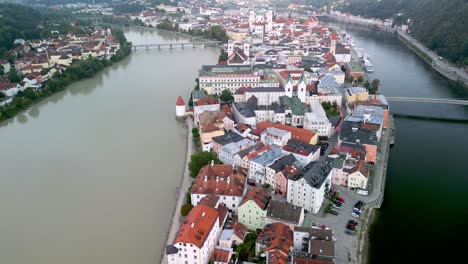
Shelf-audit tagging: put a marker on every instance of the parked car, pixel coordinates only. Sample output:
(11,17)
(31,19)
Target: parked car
(323,226)
(353,222)
(334,212)
(350,227)
(357,210)
(341,199)
(355,215)
(349,232)
(337,207)
(338,203)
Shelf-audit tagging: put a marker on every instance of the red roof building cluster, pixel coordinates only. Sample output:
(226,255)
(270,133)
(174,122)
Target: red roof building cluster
(219,179)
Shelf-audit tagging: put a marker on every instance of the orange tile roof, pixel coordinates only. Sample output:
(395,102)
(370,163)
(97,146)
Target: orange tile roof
(220,255)
(296,133)
(362,167)
(206,101)
(239,230)
(259,195)
(197,226)
(218,179)
(210,200)
(278,239)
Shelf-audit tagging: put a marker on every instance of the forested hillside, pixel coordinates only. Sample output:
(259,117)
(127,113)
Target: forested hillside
(442,25)
(20,21)
(17,21)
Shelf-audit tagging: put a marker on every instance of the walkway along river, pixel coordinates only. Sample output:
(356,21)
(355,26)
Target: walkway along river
(90,175)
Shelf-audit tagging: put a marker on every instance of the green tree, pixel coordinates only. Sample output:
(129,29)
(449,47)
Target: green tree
(185,209)
(200,159)
(360,79)
(13,76)
(374,86)
(367,84)
(2,95)
(226,96)
(351,79)
(2,70)
(195,132)
(223,56)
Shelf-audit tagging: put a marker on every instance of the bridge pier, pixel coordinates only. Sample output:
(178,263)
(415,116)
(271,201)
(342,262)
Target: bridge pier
(170,45)
(159,47)
(147,47)
(182,45)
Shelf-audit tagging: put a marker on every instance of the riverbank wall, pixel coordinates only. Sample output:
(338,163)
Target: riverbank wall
(442,67)
(380,176)
(181,192)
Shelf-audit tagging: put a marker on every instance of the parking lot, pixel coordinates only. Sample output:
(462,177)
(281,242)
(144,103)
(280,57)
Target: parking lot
(345,245)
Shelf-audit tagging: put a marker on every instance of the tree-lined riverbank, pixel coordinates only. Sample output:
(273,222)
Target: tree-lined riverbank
(77,71)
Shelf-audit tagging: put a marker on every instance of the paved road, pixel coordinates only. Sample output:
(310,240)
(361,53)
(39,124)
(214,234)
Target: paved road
(446,68)
(181,191)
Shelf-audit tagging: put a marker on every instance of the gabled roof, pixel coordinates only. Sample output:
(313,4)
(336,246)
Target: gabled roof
(197,226)
(259,195)
(296,133)
(284,212)
(277,239)
(218,179)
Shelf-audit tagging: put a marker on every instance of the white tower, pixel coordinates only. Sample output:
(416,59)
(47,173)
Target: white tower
(333,39)
(289,86)
(301,88)
(180,107)
(247,48)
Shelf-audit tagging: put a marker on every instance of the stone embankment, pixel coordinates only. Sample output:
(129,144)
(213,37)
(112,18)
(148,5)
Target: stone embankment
(181,192)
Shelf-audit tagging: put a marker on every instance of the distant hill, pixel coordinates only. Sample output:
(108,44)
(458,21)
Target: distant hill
(442,25)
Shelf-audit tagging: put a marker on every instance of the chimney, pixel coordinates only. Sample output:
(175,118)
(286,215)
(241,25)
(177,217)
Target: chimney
(192,225)
(212,163)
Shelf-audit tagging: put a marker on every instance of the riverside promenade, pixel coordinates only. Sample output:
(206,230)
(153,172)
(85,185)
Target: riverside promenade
(186,182)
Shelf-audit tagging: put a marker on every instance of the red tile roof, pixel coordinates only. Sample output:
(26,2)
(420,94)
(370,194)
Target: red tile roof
(180,101)
(218,179)
(259,195)
(239,230)
(210,200)
(7,85)
(296,133)
(277,239)
(206,101)
(197,226)
(220,255)
(334,36)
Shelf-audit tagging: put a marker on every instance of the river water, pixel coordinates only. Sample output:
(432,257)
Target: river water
(425,207)
(89,175)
